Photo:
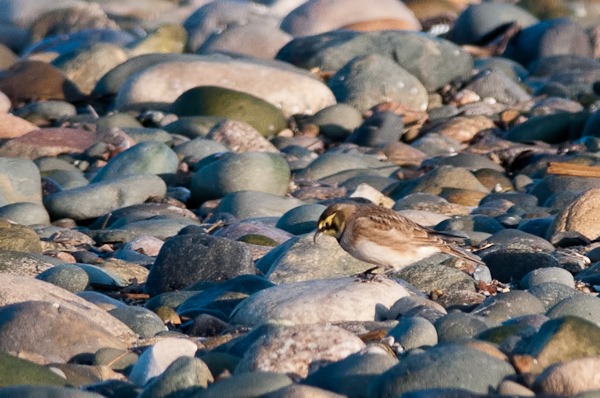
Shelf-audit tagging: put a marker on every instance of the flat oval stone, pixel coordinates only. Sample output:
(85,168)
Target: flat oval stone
(25,213)
(291,90)
(141,320)
(451,365)
(327,300)
(44,82)
(48,142)
(413,332)
(67,276)
(586,307)
(255,39)
(299,220)
(319,16)
(85,67)
(352,374)
(509,305)
(251,384)
(368,80)
(433,61)
(243,204)
(20,181)
(547,275)
(143,158)
(337,121)
(257,171)
(230,104)
(97,199)
(300,259)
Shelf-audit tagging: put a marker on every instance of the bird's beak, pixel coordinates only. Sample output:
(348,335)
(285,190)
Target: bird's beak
(317,234)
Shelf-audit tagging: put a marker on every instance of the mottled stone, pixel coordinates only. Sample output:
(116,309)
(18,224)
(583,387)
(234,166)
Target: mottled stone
(315,344)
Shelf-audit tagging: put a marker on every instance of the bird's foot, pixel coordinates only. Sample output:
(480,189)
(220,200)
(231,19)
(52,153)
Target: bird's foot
(374,274)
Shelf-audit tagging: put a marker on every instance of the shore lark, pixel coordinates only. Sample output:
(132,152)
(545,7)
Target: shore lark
(383,237)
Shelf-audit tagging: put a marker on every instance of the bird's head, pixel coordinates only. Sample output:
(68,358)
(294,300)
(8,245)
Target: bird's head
(333,220)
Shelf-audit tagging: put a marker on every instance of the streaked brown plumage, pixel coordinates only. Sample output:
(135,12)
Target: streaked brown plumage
(383,237)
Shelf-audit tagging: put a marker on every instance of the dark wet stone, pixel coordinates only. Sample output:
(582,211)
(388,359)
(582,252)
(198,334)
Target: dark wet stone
(536,226)
(433,61)
(508,265)
(231,104)
(553,129)
(446,366)
(380,129)
(477,23)
(509,305)
(186,259)
(458,326)
(352,375)
(368,80)
(206,325)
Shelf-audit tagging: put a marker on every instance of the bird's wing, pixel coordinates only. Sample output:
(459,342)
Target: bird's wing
(393,227)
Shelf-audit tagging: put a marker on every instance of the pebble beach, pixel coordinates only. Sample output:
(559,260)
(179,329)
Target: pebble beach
(164,163)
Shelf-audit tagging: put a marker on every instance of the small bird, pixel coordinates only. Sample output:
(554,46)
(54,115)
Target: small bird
(383,237)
